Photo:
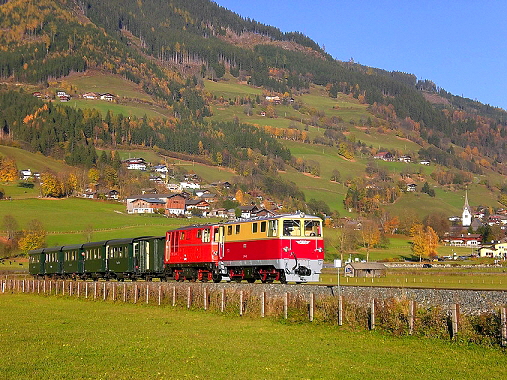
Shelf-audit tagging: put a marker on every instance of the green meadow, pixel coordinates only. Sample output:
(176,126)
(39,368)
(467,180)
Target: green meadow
(57,338)
(73,220)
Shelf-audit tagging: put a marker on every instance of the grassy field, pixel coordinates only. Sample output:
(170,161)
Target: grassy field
(434,278)
(57,338)
(34,161)
(95,81)
(67,220)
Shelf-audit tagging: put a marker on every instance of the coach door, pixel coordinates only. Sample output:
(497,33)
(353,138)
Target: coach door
(144,255)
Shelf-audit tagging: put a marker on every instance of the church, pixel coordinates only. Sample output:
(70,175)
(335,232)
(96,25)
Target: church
(466,217)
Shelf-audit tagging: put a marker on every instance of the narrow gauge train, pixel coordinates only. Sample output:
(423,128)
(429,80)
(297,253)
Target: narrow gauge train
(279,248)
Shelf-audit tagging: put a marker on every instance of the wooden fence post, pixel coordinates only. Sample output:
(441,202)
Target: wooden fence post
(205,298)
(189,297)
(312,305)
(411,317)
(114,291)
(86,290)
(159,294)
(124,292)
(286,305)
(50,286)
(104,291)
(95,290)
(174,295)
(372,315)
(147,293)
(222,301)
(135,293)
(340,310)
(241,303)
(263,304)
(504,326)
(455,320)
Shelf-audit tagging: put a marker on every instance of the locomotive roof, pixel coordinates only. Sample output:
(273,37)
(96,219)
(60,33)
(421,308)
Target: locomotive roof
(255,219)
(279,216)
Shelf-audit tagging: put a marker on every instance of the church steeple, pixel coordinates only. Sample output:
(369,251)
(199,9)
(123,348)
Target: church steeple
(467,212)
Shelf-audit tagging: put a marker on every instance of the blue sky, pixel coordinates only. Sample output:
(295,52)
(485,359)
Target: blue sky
(460,45)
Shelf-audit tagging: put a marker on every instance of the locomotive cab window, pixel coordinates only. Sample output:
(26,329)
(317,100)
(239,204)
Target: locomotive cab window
(312,228)
(273,228)
(292,227)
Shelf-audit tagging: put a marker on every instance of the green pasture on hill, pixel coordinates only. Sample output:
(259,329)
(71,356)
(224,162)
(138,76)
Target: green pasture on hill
(231,89)
(127,109)
(67,338)
(71,220)
(94,81)
(34,161)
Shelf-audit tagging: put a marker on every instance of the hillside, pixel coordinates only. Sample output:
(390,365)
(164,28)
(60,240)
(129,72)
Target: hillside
(192,80)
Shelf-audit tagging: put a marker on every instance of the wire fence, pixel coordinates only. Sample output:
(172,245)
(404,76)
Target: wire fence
(396,316)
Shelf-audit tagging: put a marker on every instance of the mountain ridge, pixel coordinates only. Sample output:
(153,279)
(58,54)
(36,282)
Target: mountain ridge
(153,50)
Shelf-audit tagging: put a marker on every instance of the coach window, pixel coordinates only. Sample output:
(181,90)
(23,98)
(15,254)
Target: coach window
(229,230)
(254,228)
(263,226)
(238,228)
(206,235)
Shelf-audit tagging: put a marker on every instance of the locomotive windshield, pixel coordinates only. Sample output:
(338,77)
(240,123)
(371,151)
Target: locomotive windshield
(301,227)
(312,228)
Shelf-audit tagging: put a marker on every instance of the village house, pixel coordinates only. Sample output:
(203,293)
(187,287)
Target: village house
(424,162)
(89,194)
(208,197)
(496,250)
(463,240)
(216,213)
(497,220)
(145,205)
(405,158)
(175,205)
(107,96)
(411,187)
(253,211)
(90,95)
(189,186)
(135,164)
(384,156)
(174,187)
(273,99)
(196,204)
(25,174)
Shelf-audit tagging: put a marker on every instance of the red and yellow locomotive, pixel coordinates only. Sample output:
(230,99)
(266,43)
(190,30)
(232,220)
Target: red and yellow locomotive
(282,248)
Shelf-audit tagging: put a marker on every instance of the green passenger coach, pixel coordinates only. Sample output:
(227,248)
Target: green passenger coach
(132,258)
